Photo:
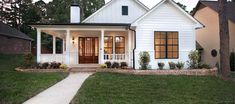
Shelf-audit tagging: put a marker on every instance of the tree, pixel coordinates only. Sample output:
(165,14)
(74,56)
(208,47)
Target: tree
(224,39)
(182,6)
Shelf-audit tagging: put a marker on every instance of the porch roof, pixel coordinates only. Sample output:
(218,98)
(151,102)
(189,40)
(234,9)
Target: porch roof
(38,25)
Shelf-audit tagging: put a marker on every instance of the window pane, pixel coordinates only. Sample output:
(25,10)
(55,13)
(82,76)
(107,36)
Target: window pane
(157,48)
(163,48)
(157,55)
(175,41)
(59,46)
(157,35)
(169,54)
(175,54)
(163,41)
(157,41)
(175,48)
(170,48)
(124,10)
(169,41)
(163,54)
(120,45)
(108,45)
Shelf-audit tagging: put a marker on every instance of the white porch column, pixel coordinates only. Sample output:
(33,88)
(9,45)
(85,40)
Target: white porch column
(129,48)
(67,57)
(38,45)
(102,48)
(54,44)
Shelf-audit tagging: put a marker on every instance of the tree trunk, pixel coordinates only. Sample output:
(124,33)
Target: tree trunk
(224,39)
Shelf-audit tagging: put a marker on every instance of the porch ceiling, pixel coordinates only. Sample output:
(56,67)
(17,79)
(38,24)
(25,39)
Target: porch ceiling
(57,33)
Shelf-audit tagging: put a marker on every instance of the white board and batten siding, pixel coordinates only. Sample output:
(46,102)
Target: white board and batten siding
(112,12)
(166,17)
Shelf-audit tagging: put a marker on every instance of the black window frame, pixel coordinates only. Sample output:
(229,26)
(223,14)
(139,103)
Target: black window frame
(166,44)
(125,10)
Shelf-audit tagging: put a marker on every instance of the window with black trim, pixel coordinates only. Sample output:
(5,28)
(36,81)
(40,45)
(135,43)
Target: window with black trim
(108,45)
(124,10)
(120,45)
(166,45)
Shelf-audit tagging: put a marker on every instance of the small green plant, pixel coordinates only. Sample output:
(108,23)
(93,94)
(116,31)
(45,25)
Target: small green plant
(194,58)
(180,65)
(161,65)
(63,66)
(109,64)
(124,65)
(45,65)
(232,61)
(172,65)
(204,66)
(28,60)
(115,65)
(103,66)
(144,59)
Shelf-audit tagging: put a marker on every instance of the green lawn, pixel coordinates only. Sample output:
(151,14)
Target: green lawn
(17,87)
(107,88)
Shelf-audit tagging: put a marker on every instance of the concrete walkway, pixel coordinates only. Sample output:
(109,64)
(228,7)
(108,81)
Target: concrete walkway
(62,92)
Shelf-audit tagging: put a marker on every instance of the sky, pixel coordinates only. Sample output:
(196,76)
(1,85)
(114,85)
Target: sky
(150,3)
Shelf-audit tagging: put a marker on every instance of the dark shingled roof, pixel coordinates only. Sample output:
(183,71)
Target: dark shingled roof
(12,32)
(215,5)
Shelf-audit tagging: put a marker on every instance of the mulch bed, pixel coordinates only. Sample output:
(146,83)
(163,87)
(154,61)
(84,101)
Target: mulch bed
(196,72)
(41,70)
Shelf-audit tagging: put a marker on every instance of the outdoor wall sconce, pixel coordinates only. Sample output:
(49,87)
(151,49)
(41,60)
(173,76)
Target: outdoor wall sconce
(73,40)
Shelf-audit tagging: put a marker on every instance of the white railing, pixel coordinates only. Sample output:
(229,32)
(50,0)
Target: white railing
(52,58)
(114,57)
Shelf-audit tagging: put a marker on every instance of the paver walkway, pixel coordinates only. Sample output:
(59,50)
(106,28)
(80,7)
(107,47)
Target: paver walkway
(62,92)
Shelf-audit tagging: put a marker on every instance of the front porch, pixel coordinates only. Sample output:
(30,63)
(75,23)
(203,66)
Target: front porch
(86,46)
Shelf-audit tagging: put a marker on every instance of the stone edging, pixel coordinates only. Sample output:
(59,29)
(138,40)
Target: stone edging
(41,70)
(196,72)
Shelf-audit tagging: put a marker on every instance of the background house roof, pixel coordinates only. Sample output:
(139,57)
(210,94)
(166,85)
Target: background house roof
(214,5)
(11,32)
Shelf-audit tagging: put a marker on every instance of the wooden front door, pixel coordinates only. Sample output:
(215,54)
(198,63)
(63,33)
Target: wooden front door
(88,50)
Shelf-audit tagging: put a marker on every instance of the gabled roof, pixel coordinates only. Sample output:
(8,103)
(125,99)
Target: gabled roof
(11,32)
(171,1)
(214,5)
(110,2)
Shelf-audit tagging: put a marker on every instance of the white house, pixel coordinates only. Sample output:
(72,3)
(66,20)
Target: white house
(119,31)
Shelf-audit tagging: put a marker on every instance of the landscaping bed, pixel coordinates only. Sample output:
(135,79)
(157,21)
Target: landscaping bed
(41,70)
(196,72)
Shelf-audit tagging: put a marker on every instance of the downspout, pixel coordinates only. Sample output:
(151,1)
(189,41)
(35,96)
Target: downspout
(134,46)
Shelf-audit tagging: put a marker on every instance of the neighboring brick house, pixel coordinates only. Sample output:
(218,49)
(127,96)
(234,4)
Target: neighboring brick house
(13,41)
(207,13)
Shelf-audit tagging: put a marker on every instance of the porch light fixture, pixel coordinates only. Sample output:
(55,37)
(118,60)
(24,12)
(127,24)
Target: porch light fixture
(73,40)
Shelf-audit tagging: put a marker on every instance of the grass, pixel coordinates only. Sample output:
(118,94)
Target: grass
(108,88)
(17,87)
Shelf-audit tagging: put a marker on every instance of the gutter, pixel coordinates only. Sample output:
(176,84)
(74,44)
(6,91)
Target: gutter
(134,46)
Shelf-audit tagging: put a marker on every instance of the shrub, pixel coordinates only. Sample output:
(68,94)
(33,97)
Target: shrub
(45,65)
(194,58)
(144,60)
(55,65)
(28,60)
(232,61)
(103,66)
(171,65)
(161,65)
(180,65)
(109,64)
(115,65)
(63,66)
(123,65)
(204,66)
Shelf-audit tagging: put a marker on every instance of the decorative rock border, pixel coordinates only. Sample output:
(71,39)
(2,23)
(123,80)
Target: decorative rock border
(195,72)
(41,70)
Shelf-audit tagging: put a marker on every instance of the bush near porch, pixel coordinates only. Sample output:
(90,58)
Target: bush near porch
(110,88)
(17,87)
